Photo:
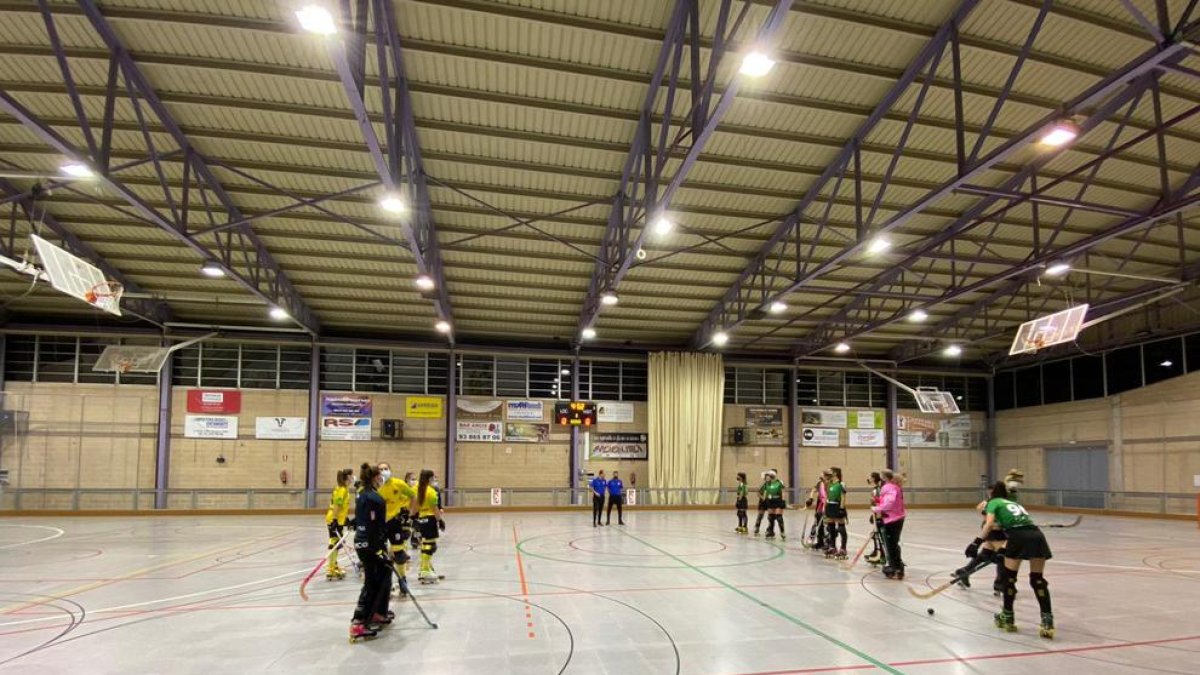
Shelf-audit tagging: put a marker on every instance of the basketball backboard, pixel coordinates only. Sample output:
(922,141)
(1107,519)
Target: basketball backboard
(931,400)
(1049,330)
(131,358)
(76,277)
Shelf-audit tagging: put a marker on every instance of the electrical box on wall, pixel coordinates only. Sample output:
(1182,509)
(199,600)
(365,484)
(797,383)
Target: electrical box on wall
(392,429)
(739,436)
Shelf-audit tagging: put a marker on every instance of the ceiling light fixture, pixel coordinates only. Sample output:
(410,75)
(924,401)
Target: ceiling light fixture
(663,226)
(841,348)
(777,307)
(720,338)
(953,350)
(77,170)
(442,326)
(212,269)
(1167,364)
(1060,133)
(279,314)
(608,298)
(1058,269)
(315,19)
(587,333)
(393,204)
(424,282)
(565,371)
(918,315)
(878,245)
(756,64)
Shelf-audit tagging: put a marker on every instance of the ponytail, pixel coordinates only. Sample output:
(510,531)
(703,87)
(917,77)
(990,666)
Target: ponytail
(423,485)
(367,474)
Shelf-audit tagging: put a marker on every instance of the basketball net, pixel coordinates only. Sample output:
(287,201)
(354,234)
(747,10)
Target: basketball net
(104,294)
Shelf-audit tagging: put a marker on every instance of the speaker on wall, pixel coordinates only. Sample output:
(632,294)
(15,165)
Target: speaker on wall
(740,435)
(393,429)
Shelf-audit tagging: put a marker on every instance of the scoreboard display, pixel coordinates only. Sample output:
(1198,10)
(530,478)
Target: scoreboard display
(575,413)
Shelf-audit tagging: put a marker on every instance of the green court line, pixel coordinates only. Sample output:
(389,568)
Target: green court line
(774,610)
(779,551)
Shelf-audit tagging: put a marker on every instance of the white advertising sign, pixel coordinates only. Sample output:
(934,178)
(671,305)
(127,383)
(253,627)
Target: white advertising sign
(497,497)
(631,496)
(210,426)
(480,432)
(823,418)
(867,438)
(281,428)
(527,411)
(820,437)
(345,428)
(621,413)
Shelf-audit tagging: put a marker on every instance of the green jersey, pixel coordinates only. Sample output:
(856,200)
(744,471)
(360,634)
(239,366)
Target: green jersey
(773,489)
(762,489)
(835,492)
(741,490)
(1009,514)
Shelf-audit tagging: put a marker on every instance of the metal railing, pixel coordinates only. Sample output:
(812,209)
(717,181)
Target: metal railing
(200,499)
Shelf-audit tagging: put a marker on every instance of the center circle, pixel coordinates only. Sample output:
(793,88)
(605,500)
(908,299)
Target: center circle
(717,548)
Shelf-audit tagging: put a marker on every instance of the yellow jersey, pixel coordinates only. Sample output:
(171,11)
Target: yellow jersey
(397,495)
(339,506)
(428,506)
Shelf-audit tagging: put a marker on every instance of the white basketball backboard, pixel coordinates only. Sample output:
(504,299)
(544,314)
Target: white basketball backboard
(1048,330)
(73,275)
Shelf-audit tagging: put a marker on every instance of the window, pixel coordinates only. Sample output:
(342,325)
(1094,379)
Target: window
(545,380)
(1003,389)
(749,385)
(775,387)
(730,395)
(56,358)
(186,372)
(1056,381)
(606,380)
(295,367)
(260,366)
(20,352)
(634,381)
(437,373)
(1192,352)
(408,372)
(1029,386)
(957,386)
(977,395)
(831,390)
(478,375)
(1123,368)
(89,351)
(218,365)
(1087,377)
(337,369)
(372,370)
(806,387)
(858,390)
(1162,360)
(512,377)
(878,391)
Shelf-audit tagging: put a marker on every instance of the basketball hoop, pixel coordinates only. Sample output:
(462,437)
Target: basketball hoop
(123,364)
(104,293)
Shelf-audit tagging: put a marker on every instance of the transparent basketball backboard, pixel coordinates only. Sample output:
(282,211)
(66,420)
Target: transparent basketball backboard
(931,400)
(76,277)
(131,359)
(1048,330)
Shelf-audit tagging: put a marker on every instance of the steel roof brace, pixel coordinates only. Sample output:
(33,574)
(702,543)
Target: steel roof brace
(639,198)
(397,158)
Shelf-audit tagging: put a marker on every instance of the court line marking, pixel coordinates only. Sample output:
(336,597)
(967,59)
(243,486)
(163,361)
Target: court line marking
(524,585)
(775,610)
(58,532)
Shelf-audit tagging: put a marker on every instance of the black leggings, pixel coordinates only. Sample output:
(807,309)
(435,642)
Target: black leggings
(618,501)
(376,589)
(597,508)
(891,540)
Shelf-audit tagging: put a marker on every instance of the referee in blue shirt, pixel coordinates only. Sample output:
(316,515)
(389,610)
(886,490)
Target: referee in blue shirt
(599,487)
(616,497)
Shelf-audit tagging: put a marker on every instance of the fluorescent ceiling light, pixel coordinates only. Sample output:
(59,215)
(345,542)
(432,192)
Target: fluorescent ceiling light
(756,64)
(76,170)
(720,338)
(442,326)
(212,269)
(393,204)
(778,307)
(279,314)
(1060,133)
(317,20)
(878,245)
(663,225)
(953,350)
(918,315)
(841,348)
(424,282)
(587,333)
(1058,269)
(609,298)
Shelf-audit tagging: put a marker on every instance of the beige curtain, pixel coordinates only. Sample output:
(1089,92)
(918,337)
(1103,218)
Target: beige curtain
(687,393)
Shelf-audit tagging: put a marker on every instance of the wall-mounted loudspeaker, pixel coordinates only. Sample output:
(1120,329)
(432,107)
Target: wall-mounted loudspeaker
(393,429)
(740,435)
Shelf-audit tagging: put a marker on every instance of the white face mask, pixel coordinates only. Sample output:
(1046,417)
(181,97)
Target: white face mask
(434,482)
(412,482)
(386,474)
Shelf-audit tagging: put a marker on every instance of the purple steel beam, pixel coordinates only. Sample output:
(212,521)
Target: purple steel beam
(753,287)
(154,310)
(242,255)
(644,164)
(162,437)
(398,161)
(1052,201)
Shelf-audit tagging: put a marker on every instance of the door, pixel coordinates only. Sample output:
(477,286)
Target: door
(1081,472)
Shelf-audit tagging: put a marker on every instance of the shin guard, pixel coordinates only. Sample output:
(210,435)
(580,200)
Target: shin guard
(1041,589)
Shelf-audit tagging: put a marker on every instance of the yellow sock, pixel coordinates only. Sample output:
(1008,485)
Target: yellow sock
(426,562)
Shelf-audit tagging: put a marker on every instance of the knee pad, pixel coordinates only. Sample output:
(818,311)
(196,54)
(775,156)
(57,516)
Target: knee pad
(1009,579)
(428,546)
(1038,583)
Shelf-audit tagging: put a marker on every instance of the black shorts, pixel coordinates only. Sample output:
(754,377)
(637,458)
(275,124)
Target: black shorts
(428,527)
(1027,543)
(774,503)
(835,511)
(399,529)
(335,531)
(762,504)
(997,535)
(741,504)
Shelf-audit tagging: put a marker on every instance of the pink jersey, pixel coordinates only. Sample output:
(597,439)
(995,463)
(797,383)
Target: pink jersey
(821,496)
(891,503)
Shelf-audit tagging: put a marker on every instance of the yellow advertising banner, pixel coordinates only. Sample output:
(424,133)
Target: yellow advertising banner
(424,407)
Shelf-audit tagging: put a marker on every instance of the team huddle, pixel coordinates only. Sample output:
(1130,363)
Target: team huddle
(1008,536)
(389,515)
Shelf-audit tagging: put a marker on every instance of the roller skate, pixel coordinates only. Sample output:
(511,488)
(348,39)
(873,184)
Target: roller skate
(770,535)
(1005,622)
(840,554)
(335,574)
(427,577)
(1046,630)
(756,531)
(379,620)
(361,631)
(896,573)
(782,537)
(963,576)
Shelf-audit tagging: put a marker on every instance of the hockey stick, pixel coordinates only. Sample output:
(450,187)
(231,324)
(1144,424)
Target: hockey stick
(850,565)
(933,591)
(313,573)
(1073,523)
(404,586)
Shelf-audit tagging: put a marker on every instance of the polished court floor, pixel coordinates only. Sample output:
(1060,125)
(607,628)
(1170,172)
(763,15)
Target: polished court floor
(671,592)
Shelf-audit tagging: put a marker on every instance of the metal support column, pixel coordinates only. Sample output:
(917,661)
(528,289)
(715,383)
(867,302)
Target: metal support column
(991,428)
(575,462)
(889,423)
(794,437)
(314,427)
(451,425)
(162,446)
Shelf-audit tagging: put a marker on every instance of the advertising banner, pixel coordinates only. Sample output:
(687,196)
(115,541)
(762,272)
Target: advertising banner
(528,411)
(214,401)
(610,411)
(867,419)
(820,437)
(823,418)
(424,408)
(867,438)
(620,446)
(924,432)
(281,428)
(479,432)
(526,432)
(479,410)
(210,426)
(497,497)
(766,424)
(345,405)
(345,417)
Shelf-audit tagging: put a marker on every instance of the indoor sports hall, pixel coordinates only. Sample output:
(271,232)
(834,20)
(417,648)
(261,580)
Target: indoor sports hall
(680,337)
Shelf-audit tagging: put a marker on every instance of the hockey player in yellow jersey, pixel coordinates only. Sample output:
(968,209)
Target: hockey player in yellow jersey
(335,521)
(398,496)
